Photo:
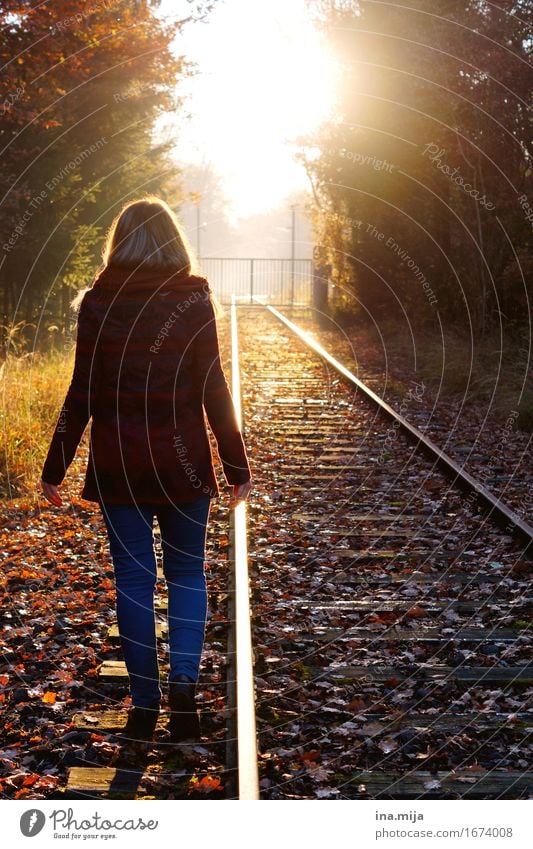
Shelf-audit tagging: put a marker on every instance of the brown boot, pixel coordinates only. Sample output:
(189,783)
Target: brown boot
(184,723)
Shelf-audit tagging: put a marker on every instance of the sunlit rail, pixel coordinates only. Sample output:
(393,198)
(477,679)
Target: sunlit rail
(248,783)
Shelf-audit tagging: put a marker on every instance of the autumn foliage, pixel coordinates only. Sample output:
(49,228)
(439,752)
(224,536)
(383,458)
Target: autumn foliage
(81,90)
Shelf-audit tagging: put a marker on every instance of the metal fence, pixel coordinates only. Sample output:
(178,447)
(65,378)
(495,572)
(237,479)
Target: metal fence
(280,282)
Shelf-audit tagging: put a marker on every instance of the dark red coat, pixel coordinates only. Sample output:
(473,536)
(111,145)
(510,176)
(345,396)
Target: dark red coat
(147,364)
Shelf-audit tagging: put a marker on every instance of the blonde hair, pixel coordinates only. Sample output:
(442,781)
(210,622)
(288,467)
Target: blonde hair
(147,235)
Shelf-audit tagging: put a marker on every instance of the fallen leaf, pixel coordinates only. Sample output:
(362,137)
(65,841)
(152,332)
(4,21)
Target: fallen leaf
(209,783)
(388,744)
(370,729)
(416,612)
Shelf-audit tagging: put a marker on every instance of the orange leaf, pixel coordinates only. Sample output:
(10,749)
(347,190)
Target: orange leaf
(26,573)
(356,704)
(312,755)
(4,680)
(20,794)
(208,783)
(416,612)
(49,698)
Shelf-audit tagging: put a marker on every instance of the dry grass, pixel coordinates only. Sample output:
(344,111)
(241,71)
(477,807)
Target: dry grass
(491,373)
(33,387)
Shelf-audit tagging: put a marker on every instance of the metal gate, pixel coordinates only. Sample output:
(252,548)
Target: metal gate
(280,282)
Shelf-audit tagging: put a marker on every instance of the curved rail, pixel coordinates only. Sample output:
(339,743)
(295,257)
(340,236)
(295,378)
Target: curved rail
(496,509)
(243,698)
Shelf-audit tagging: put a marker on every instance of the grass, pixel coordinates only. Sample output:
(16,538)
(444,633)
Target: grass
(487,375)
(492,372)
(33,388)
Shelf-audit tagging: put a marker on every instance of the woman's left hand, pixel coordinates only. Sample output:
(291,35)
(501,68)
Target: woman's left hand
(51,493)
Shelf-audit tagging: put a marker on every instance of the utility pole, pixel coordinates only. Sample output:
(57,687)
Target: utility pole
(196,198)
(198,230)
(293,249)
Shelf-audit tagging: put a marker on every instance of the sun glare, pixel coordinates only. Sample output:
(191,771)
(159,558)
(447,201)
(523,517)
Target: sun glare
(264,78)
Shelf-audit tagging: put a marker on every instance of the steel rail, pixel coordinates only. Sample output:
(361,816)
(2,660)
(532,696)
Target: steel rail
(497,510)
(246,737)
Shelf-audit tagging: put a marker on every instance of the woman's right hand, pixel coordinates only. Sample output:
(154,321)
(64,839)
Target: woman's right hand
(240,492)
(51,493)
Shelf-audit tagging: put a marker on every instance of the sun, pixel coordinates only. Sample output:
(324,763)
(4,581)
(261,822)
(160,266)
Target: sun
(265,78)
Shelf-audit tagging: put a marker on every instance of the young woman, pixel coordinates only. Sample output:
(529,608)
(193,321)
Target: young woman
(147,366)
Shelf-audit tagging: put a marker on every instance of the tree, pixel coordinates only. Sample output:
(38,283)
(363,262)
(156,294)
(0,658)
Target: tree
(83,89)
(418,175)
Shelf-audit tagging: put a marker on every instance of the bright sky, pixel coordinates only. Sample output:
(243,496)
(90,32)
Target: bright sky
(264,77)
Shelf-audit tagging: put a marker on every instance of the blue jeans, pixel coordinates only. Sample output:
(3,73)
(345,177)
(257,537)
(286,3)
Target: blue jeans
(183,534)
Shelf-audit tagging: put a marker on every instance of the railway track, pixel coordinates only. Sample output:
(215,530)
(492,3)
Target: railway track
(389,619)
